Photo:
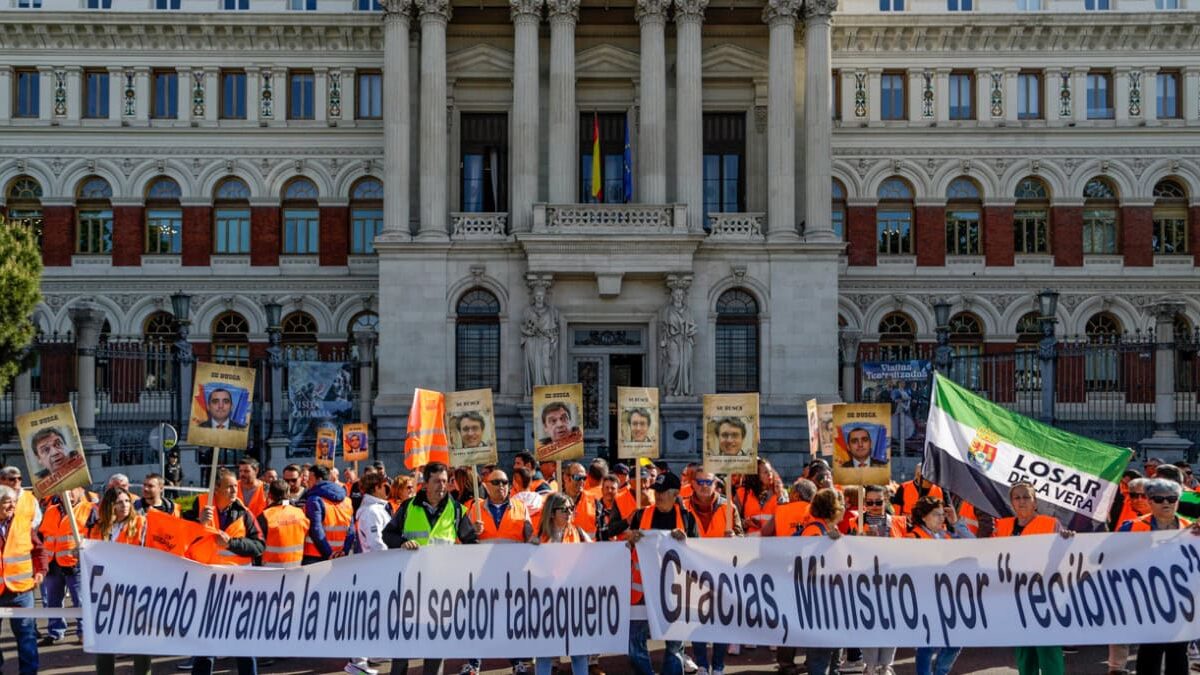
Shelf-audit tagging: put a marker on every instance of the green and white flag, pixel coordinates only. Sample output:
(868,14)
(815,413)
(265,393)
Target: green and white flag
(977,449)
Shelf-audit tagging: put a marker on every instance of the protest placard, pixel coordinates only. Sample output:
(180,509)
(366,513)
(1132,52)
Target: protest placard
(862,444)
(731,433)
(820,428)
(326,446)
(637,412)
(557,433)
(222,399)
(53,450)
(471,427)
(355,442)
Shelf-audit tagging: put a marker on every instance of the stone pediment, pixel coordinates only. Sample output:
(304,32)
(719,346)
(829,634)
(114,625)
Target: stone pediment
(481,61)
(732,61)
(607,61)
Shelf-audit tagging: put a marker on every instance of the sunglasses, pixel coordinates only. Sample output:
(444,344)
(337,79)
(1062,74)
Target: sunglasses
(11,479)
(582,476)
(499,483)
(873,502)
(1137,495)
(705,481)
(1164,499)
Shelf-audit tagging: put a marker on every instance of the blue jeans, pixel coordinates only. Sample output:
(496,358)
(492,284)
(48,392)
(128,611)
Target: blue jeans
(821,661)
(478,663)
(203,665)
(945,660)
(54,591)
(639,654)
(700,651)
(25,630)
(543,665)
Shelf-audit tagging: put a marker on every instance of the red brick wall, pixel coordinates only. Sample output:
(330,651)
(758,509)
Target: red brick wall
(931,236)
(335,235)
(998,235)
(1137,235)
(197,236)
(860,232)
(58,235)
(1066,238)
(258,351)
(129,239)
(1194,234)
(264,236)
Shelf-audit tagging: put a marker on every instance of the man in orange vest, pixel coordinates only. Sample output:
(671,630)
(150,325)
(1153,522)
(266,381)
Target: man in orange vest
(329,515)
(910,491)
(715,518)
(62,573)
(574,479)
(525,460)
(612,513)
(284,527)
(250,489)
(23,565)
(153,498)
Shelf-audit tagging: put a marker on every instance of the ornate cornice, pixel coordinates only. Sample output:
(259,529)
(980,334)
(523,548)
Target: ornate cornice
(781,10)
(562,9)
(689,10)
(526,8)
(819,9)
(651,10)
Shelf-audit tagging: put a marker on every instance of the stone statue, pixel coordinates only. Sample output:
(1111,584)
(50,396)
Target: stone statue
(539,336)
(676,339)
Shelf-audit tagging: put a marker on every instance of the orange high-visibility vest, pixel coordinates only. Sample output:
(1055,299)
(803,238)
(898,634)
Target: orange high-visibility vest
(337,521)
(718,525)
(257,502)
(512,523)
(1039,525)
(1143,524)
(585,514)
(755,513)
(966,513)
(637,594)
(626,502)
(426,442)
(206,550)
(814,528)
(919,532)
(287,526)
(16,560)
(134,532)
(790,517)
(57,537)
(570,536)
(911,494)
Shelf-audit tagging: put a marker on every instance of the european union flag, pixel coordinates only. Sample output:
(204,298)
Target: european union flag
(627,167)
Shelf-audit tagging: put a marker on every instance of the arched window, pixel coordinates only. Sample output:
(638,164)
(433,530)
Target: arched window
(1100,219)
(159,331)
(837,214)
(231,339)
(164,217)
(1170,217)
(1031,218)
(231,217)
(24,204)
(966,342)
(300,336)
(366,215)
(1029,334)
(737,342)
(93,203)
(1102,366)
(301,218)
(894,217)
(964,208)
(897,337)
(477,341)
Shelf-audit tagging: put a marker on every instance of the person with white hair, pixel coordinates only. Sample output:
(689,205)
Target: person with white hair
(118,480)
(23,565)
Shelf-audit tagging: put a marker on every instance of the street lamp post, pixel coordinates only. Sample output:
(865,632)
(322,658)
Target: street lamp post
(1047,350)
(181,305)
(275,360)
(942,354)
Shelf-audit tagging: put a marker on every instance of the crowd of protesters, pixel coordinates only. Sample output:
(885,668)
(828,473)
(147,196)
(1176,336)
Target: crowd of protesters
(308,514)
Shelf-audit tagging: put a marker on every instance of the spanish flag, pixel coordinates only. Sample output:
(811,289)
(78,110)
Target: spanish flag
(597,184)
(426,440)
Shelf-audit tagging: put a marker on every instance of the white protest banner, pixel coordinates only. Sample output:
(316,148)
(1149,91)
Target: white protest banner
(482,600)
(818,592)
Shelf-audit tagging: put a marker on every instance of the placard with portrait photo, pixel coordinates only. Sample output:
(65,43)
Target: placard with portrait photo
(637,422)
(731,433)
(326,445)
(862,444)
(54,453)
(222,400)
(355,442)
(557,428)
(471,427)
(820,428)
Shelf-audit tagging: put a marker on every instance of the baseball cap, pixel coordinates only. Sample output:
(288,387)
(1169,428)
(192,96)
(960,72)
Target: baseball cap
(666,481)
(621,469)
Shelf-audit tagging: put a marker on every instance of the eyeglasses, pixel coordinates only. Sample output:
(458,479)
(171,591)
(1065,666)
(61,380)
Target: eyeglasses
(499,483)
(1164,499)
(565,509)
(1137,495)
(11,479)
(873,502)
(579,477)
(705,481)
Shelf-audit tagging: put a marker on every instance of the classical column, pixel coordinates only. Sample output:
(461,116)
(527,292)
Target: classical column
(689,111)
(1011,97)
(780,15)
(88,319)
(564,142)
(74,94)
(526,141)
(116,92)
(212,95)
(652,123)
(848,340)
(818,121)
(395,117)
(435,14)
(1079,92)
(6,92)
(183,93)
(365,340)
(320,94)
(142,95)
(253,86)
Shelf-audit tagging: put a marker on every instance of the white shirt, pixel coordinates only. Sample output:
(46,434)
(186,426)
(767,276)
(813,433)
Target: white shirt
(369,522)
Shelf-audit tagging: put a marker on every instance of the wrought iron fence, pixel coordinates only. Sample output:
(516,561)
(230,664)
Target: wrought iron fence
(135,392)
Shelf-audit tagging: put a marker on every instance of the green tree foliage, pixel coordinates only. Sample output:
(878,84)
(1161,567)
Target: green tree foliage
(20,292)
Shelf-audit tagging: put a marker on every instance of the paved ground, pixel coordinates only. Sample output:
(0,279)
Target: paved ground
(68,657)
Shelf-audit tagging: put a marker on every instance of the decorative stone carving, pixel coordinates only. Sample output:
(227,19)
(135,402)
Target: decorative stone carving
(651,10)
(60,93)
(565,9)
(860,93)
(690,10)
(927,94)
(266,97)
(781,10)
(743,226)
(1135,93)
(676,338)
(619,217)
(396,6)
(760,118)
(478,225)
(848,341)
(335,95)
(129,109)
(530,8)
(997,94)
(539,334)
(1064,96)
(198,94)
(434,9)
(815,9)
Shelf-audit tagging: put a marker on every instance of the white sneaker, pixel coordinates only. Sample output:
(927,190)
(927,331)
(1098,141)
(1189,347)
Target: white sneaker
(689,666)
(718,672)
(360,667)
(852,667)
(521,668)
(467,669)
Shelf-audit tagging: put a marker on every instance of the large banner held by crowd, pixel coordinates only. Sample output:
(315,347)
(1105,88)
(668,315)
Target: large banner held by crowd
(496,602)
(865,592)
(977,449)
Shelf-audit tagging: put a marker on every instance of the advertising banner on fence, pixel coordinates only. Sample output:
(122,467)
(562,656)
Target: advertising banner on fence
(818,592)
(497,601)
(320,393)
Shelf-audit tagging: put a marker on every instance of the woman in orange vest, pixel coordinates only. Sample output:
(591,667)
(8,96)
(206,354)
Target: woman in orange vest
(930,517)
(23,562)
(828,507)
(759,496)
(59,541)
(558,527)
(120,523)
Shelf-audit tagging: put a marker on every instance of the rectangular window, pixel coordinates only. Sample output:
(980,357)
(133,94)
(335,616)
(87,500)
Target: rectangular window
(95,231)
(1166,4)
(484,162)
(301,87)
(235,5)
(959,5)
(1099,96)
(1100,231)
(962,232)
(1029,5)
(29,4)
(1096,5)
(95,94)
(894,231)
(837,219)
(300,231)
(166,4)
(28,90)
(891,5)
(369,95)
(233,95)
(1029,96)
(302,5)
(724,162)
(164,231)
(891,98)
(962,90)
(368,6)
(231,353)
(164,95)
(99,4)
(1170,230)
(231,231)
(612,159)
(1167,96)
(365,225)
(1031,231)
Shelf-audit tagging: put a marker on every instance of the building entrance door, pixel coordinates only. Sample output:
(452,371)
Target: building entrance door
(603,359)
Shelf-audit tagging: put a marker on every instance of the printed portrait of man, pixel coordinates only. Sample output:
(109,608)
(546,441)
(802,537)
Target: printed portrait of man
(470,429)
(731,436)
(324,448)
(52,450)
(219,408)
(639,421)
(355,442)
(859,444)
(556,422)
